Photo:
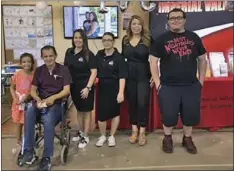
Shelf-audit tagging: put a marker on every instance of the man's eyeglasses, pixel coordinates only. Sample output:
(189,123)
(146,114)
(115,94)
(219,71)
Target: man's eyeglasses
(176,18)
(107,40)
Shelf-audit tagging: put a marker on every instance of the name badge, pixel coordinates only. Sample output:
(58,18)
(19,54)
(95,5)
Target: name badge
(81,59)
(57,77)
(111,63)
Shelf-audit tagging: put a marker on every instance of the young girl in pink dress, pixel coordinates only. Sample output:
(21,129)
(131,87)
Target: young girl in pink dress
(20,91)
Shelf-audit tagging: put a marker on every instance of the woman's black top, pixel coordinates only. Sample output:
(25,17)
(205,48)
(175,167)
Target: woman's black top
(78,65)
(111,67)
(137,60)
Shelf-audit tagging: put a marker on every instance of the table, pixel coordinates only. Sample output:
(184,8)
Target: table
(216,107)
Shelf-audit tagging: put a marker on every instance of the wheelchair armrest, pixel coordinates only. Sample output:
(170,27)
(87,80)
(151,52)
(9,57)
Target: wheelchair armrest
(64,103)
(67,103)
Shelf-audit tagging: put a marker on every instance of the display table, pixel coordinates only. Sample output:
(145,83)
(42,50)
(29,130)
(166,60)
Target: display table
(216,106)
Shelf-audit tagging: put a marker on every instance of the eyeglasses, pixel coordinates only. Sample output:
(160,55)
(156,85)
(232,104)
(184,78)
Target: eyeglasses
(107,40)
(176,18)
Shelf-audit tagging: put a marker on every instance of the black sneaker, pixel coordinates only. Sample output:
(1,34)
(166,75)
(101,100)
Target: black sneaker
(45,164)
(28,157)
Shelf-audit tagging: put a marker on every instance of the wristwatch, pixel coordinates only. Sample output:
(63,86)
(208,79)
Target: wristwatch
(89,88)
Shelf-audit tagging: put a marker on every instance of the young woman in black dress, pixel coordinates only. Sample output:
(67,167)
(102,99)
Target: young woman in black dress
(82,66)
(135,48)
(112,72)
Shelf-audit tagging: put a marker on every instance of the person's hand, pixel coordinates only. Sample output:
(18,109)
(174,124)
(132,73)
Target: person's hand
(39,103)
(158,86)
(50,101)
(201,82)
(23,99)
(84,93)
(16,99)
(151,82)
(120,97)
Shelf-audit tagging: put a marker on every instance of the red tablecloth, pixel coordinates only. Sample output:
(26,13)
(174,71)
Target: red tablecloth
(216,106)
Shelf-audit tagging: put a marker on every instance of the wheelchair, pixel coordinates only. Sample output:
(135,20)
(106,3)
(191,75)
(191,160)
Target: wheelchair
(64,137)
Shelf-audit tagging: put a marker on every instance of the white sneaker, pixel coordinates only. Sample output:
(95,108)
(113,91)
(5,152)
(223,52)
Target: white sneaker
(83,142)
(111,141)
(77,137)
(101,141)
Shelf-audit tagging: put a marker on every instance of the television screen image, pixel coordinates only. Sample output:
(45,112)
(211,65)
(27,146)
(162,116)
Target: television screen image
(88,18)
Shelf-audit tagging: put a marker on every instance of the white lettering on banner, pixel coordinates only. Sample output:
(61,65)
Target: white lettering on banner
(192,6)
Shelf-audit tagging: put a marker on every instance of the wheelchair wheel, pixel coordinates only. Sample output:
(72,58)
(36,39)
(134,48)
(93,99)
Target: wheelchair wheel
(63,155)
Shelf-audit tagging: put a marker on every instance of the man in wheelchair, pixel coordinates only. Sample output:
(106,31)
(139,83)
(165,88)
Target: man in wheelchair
(51,83)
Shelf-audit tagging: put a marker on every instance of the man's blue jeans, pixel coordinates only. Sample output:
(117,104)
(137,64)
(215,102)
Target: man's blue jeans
(49,120)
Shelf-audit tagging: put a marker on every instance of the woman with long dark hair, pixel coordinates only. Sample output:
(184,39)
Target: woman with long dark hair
(82,66)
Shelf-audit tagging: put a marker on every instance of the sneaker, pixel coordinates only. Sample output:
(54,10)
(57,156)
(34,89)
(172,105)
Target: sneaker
(78,136)
(101,141)
(187,143)
(28,157)
(167,144)
(45,164)
(83,142)
(111,141)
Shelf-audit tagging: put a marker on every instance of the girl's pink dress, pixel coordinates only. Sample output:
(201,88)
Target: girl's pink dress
(22,83)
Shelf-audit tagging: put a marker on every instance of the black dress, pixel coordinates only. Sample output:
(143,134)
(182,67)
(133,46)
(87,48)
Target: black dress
(79,69)
(110,70)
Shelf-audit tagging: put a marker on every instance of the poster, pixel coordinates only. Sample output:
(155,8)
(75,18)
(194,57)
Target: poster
(26,29)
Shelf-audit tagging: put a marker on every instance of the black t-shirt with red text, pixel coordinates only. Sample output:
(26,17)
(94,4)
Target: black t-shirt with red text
(178,53)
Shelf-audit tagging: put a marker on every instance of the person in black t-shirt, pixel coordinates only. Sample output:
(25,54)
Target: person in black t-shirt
(82,63)
(135,49)
(179,90)
(112,72)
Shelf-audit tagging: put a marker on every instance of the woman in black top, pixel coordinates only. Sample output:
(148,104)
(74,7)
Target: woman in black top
(135,48)
(112,71)
(82,66)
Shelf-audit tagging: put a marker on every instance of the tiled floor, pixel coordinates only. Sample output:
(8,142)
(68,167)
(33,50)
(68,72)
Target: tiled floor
(8,129)
(215,152)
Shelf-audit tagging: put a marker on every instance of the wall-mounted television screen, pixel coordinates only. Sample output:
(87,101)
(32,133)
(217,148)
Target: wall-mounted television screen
(88,18)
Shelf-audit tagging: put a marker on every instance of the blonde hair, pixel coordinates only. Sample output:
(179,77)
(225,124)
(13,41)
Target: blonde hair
(144,33)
